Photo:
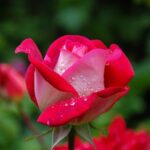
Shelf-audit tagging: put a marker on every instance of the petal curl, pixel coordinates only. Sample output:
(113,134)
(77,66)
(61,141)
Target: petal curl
(119,70)
(29,78)
(52,77)
(29,47)
(105,100)
(87,74)
(99,44)
(64,111)
(45,93)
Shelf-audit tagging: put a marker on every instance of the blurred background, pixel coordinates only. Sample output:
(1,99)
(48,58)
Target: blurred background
(126,23)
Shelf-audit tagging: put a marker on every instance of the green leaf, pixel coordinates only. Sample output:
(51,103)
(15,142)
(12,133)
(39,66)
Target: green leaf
(59,133)
(85,133)
(38,135)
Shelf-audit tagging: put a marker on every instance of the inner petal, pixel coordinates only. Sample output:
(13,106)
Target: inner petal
(65,60)
(87,75)
(75,47)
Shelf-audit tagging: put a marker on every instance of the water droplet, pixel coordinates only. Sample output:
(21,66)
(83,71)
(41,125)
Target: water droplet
(48,122)
(85,99)
(73,78)
(61,116)
(72,103)
(66,104)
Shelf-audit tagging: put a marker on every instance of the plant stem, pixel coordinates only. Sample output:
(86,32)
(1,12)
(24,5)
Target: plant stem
(31,127)
(71,139)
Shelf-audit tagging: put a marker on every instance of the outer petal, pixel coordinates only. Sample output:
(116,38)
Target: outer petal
(52,77)
(29,47)
(64,111)
(45,93)
(119,71)
(54,49)
(87,74)
(30,83)
(105,100)
(99,44)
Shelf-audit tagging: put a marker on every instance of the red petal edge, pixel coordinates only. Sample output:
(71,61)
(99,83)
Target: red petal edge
(105,100)
(52,77)
(99,44)
(119,70)
(28,46)
(64,111)
(30,83)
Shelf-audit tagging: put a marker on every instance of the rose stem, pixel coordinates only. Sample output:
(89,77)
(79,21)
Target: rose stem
(71,139)
(32,128)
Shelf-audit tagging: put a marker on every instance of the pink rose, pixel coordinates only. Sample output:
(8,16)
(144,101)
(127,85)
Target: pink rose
(12,84)
(77,80)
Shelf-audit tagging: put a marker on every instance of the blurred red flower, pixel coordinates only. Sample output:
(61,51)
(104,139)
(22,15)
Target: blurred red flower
(77,80)
(12,84)
(119,138)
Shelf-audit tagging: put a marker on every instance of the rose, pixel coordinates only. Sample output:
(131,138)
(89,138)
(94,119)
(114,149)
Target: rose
(12,84)
(119,138)
(77,80)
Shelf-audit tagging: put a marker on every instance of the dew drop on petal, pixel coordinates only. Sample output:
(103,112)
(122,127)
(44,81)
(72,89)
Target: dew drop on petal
(66,104)
(73,102)
(85,99)
(73,78)
(61,116)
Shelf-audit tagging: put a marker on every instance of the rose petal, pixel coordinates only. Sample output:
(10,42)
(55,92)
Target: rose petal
(45,93)
(99,44)
(87,74)
(64,111)
(54,49)
(52,77)
(118,71)
(117,126)
(105,100)
(29,47)
(30,83)
(65,60)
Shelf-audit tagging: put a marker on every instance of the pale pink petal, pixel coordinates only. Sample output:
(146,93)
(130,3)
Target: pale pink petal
(45,93)
(65,60)
(87,74)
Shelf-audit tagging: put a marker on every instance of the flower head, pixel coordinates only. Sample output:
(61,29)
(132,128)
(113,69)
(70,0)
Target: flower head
(77,80)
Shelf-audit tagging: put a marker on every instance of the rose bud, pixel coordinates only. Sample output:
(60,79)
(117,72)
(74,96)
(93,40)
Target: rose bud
(12,84)
(77,80)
